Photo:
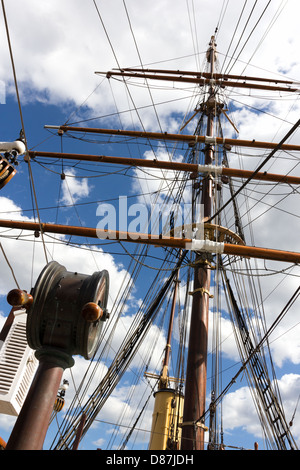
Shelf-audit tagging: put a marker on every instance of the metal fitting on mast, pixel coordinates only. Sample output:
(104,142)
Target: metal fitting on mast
(213,49)
(10,150)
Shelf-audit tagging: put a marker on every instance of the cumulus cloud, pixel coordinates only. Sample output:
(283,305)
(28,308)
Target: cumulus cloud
(57,56)
(244,407)
(90,260)
(73,188)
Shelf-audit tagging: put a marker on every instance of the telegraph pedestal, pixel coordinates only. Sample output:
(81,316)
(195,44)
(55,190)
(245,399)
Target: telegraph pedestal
(66,312)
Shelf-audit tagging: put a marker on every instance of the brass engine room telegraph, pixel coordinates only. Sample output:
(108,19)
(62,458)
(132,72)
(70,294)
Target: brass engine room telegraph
(66,312)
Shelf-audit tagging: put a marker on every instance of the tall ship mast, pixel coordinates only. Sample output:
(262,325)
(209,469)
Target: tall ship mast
(200,271)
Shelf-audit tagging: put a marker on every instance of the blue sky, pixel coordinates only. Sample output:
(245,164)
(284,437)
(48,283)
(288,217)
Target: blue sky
(57,48)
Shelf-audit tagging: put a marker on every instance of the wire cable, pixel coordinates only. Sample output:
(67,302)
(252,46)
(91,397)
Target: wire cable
(271,154)
(22,120)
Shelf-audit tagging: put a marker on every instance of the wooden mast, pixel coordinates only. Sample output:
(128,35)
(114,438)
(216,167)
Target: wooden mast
(195,388)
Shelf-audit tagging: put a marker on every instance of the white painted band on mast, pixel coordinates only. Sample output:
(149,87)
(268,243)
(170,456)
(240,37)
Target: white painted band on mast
(217,169)
(207,246)
(212,140)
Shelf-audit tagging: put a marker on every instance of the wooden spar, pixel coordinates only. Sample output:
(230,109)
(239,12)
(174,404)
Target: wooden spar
(216,76)
(79,432)
(167,165)
(178,137)
(201,81)
(262,253)
(263,176)
(150,239)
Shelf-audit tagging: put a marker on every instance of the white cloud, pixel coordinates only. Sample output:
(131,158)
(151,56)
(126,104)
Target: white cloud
(122,407)
(99,443)
(57,54)
(239,410)
(73,188)
(69,256)
(156,185)
(147,352)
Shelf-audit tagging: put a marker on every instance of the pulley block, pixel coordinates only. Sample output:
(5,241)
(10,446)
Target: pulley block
(59,404)
(7,171)
(67,311)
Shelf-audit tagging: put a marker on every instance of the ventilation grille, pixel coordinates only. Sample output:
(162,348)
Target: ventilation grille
(17,367)
(31,367)
(11,355)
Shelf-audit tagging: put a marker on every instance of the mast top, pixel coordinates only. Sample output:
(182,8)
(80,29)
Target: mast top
(211,54)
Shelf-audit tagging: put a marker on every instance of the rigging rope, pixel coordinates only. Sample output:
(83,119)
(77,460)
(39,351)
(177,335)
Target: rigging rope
(294,413)
(271,24)
(255,26)
(271,154)
(141,63)
(9,265)
(124,81)
(256,349)
(244,29)
(237,25)
(22,121)
(117,368)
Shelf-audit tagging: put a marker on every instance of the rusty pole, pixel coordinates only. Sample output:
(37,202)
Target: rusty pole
(195,389)
(32,424)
